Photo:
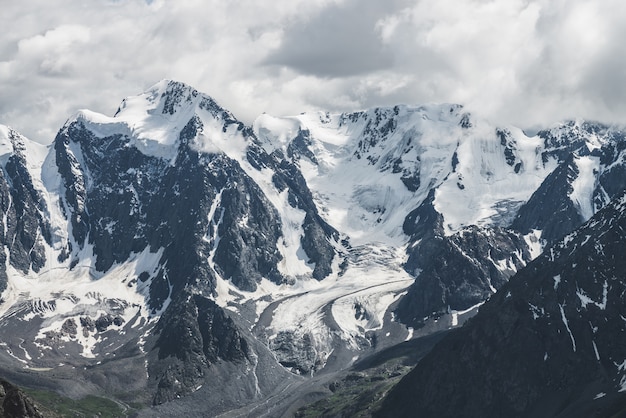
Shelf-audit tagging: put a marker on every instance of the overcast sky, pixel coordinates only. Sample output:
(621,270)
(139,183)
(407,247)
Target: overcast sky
(524,62)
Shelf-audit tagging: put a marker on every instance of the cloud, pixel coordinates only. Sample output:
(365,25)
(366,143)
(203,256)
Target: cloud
(342,40)
(520,61)
(50,53)
(526,62)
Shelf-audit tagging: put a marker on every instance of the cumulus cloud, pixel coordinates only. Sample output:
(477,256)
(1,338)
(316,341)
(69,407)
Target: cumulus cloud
(527,62)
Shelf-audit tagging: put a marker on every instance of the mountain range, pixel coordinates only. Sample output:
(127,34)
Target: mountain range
(174,257)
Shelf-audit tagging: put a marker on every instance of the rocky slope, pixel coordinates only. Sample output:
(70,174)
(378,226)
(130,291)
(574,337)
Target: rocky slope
(550,343)
(14,403)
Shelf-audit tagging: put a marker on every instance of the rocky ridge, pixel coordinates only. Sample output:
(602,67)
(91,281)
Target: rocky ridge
(549,343)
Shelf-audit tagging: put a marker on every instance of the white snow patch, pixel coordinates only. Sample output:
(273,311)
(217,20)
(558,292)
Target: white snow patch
(584,185)
(353,183)
(10,353)
(372,305)
(595,349)
(536,311)
(455,314)
(586,300)
(567,327)
(409,334)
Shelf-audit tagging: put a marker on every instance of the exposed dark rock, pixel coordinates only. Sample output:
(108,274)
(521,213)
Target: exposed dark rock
(509,146)
(379,126)
(105,321)
(299,147)
(411,177)
(424,221)
(443,284)
(192,334)
(24,210)
(15,404)
(455,161)
(561,142)
(176,95)
(459,271)
(69,327)
(25,220)
(550,208)
(75,188)
(142,201)
(296,353)
(315,244)
(465,122)
(88,325)
(248,231)
(549,343)
(317,233)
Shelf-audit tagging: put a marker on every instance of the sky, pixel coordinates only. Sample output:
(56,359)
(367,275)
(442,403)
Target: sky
(529,63)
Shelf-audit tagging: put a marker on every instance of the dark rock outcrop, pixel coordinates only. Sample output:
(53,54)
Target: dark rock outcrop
(550,208)
(459,271)
(193,334)
(25,226)
(16,404)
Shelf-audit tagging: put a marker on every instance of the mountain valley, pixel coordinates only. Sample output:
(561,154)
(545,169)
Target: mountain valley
(174,258)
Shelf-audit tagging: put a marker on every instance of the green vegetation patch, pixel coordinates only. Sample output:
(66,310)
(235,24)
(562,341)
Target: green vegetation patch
(359,394)
(88,406)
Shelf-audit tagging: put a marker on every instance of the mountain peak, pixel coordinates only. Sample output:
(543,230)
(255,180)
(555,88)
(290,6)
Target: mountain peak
(6,140)
(154,119)
(169,98)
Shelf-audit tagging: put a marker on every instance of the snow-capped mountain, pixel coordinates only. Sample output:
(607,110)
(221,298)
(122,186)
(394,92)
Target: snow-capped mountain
(172,251)
(550,343)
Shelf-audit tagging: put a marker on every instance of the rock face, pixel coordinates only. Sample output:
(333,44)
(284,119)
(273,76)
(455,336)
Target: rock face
(25,227)
(15,404)
(461,270)
(589,175)
(157,203)
(549,343)
(192,335)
